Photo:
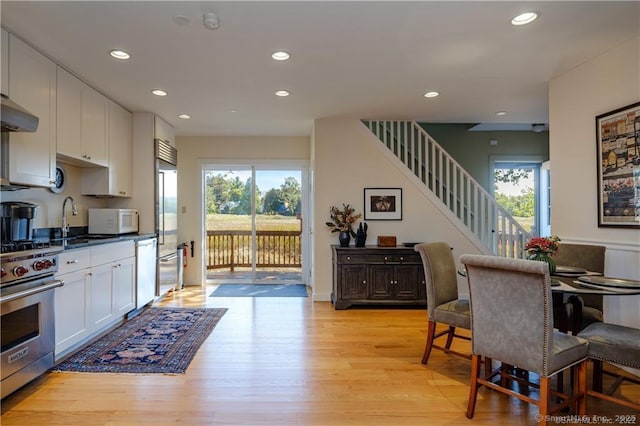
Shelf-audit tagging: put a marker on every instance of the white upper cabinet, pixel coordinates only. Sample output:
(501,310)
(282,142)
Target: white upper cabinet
(4,87)
(164,131)
(117,179)
(32,85)
(120,150)
(82,122)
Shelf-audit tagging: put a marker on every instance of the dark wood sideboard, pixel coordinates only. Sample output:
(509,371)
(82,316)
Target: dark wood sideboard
(377,276)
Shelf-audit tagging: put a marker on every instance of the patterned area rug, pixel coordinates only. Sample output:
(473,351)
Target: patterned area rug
(159,340)
(260,290)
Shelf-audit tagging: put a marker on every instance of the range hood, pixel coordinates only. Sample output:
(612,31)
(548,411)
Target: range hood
(15,118)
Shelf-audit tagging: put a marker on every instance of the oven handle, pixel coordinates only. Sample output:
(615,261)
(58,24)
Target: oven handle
(32,291)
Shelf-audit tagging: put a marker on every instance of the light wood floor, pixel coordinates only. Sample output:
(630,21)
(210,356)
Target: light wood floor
(285,361)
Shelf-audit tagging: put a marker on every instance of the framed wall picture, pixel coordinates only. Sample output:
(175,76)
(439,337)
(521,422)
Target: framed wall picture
(383,204)
(618,157)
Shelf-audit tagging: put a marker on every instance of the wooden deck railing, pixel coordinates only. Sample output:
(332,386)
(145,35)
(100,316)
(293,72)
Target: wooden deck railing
(231,249)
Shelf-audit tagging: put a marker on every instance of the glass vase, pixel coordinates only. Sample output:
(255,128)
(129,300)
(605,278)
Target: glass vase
(543,257)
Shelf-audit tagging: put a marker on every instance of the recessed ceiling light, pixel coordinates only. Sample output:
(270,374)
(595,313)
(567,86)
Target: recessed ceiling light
(159,92)
(184,116)
(233,110)
(501,113)
(431,94)
(119,54)
(280,56)
(282,93)
(524,18)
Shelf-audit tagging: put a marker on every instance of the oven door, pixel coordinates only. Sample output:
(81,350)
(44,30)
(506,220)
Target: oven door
(28,334)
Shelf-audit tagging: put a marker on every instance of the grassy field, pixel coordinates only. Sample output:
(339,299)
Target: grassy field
(222,222)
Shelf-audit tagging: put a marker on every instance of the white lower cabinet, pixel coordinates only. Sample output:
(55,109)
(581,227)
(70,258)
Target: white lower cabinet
(72,310)
(96,294)
(101,297)
(124,288)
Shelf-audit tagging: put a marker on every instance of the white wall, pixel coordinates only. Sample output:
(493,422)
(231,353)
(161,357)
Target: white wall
(193,152)
(346,160)
(603,84)
(49,214)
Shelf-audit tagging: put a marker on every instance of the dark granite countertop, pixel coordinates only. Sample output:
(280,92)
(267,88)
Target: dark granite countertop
(82,241)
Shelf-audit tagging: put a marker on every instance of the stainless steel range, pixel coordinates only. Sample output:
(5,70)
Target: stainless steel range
(27,308)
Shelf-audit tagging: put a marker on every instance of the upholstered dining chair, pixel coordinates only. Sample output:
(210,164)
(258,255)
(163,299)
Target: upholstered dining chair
(443,305)
(511,321)
(615,344)
(591,258)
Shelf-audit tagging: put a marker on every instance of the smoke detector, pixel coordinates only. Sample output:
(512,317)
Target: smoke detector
(211,21)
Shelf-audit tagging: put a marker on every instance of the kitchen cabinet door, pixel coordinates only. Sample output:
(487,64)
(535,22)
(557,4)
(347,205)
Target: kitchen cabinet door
(124,286)
(73,325)
(120,151)
(69,111)
(32,84)
(164,131)
(116,180)
(94,126)
(101,295)
(81,122)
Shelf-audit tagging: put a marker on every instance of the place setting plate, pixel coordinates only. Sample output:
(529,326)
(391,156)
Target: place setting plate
(569,271)
(610,282)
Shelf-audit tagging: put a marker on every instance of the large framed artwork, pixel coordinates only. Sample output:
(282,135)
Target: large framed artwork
(383,204)
(618,144)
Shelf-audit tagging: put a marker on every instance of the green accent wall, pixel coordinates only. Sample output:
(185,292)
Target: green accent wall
(473,151)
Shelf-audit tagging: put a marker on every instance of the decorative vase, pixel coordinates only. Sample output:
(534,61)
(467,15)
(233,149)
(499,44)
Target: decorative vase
(344,237)
(543,257)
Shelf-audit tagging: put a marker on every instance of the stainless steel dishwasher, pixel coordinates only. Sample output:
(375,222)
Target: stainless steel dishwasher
(146,252)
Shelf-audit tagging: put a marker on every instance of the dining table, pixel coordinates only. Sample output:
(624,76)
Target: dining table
(568,287)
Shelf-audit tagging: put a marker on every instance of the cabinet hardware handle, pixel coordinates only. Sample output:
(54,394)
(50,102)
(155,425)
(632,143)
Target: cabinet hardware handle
(364,281)
(90,274)
(348,257)
(401,258)
(69,262)
(386,258)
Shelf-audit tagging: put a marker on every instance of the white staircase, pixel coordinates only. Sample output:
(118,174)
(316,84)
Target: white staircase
(453,190)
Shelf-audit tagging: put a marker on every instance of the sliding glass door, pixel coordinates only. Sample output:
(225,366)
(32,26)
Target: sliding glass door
(253,223)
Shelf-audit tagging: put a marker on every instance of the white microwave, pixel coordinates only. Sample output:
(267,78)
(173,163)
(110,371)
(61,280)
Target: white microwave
(113,221)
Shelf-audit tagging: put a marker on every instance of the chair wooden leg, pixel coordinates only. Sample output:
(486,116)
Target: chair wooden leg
(560,379)
(597,375)
(473,388)
(545,392)
(580,386)
(504,374)
(431,331)
(487,366)
(450,334)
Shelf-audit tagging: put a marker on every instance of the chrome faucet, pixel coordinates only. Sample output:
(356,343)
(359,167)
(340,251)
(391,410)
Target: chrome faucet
(65,225)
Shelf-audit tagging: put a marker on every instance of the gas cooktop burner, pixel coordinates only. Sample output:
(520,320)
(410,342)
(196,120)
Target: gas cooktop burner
(24,245)
(21,266)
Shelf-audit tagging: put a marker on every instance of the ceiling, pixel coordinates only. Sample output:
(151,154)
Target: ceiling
(363,59)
